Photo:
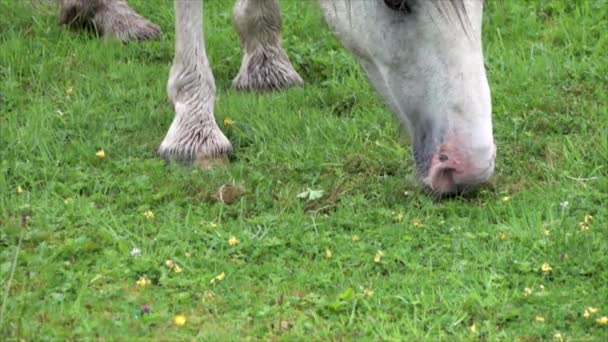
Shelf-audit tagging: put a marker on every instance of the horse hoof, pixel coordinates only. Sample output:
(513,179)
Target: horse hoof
(126,25)
(266,69)
(109,18)
(208,152)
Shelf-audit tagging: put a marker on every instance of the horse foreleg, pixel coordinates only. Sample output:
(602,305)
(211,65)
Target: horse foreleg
(108,17)
(265,64)
(194,134)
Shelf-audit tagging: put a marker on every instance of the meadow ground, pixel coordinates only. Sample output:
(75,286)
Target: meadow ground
(374,258)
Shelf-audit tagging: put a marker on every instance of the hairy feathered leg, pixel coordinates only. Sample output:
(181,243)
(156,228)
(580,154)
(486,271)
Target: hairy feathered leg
(265,64)
(110,18)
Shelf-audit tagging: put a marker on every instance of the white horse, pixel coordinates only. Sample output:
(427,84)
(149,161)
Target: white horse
(423,56)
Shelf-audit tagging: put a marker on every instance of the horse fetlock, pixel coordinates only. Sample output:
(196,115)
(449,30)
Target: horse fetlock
(190,83)
(266,68)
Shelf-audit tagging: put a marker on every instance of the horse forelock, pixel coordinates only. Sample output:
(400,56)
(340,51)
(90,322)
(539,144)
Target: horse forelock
(458,8)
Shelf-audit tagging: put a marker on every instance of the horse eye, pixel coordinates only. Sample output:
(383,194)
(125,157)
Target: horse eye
(399,5)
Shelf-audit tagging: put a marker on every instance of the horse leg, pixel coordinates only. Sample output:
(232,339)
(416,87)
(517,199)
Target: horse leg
(265,64)
(194,134)
(112,18)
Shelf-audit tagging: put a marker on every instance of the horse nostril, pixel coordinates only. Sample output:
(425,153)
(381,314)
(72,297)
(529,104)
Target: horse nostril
(443,158)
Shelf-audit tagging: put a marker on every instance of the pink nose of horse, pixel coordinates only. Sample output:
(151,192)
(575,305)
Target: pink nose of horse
(454,171)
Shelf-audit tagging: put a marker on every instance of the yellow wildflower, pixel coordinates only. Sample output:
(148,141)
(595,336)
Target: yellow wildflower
(502,236)
(539,319)
(584,226)
(505,198)
(399,217)
(179,320)
(589,311)
(417,223)
(228,122)
(19,189)
(69,90)
(527,291)
(558,337)
(233,241)
(212,225)
(602,320)
(218,277)
(171,265)
(547,232)
(378,257)
(101,154)
(328,254)
(143,281)
(587,219)
(473,328)
(149,214)
(546,268)
(368,292)
(356,238)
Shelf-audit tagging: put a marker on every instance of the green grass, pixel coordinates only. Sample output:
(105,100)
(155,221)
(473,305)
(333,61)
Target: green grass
(65,241)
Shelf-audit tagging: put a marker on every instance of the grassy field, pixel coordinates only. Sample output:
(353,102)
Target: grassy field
(374,258)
